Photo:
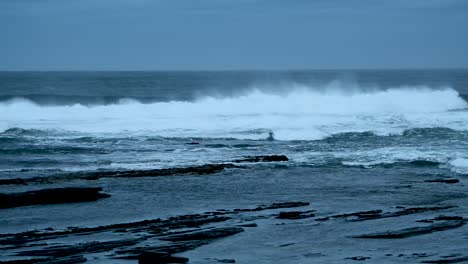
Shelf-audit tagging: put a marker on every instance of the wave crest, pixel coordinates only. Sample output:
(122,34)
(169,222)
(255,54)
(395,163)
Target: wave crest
(300,113)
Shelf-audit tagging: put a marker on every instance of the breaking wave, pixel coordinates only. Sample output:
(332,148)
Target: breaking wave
(298,114)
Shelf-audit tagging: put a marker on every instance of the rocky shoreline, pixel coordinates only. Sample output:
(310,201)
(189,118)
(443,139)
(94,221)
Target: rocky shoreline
(169,240)
(191,170)
(187,232)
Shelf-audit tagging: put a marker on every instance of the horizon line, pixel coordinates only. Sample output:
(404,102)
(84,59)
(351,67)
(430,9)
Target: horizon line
(240,70)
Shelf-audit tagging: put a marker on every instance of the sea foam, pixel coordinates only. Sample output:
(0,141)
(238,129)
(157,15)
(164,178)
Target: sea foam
(297,113)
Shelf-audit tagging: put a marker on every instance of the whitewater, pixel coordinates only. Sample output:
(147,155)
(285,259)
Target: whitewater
(293,113)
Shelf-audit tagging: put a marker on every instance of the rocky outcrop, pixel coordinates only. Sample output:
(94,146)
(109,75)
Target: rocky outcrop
(271,158)
(51,196)
(197,170)
(65,260)
(294,215)
(191,170)
(148,241)
(17,181)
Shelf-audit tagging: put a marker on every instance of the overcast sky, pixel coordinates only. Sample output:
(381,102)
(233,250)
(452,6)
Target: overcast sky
(232,34)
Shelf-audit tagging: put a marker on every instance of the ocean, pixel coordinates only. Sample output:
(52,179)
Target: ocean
(355,141)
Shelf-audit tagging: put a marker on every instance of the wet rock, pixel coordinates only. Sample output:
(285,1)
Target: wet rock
(226,260)
(174,248)
(205,235)
(322,219)
(362,214)
(415,231)
(448,181)
(287,205)
(66,260)
(378,214)
(272,158)
(197,170)
(166,236)
(51,196)
(154,226)
(159,258)
(17,181)
(91,247)
(293,215)
(200,170)
(443,218)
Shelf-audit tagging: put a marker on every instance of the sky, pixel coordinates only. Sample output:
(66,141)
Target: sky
(232,34)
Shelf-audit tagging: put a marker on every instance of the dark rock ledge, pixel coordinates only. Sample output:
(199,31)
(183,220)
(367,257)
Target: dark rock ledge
(192,170)
(448,259)
(379,214)
(17,181)
(160,240)
(149,241)
(272,158)
(293,215)
(51,196)
(204,235)
(415,231)
(448,181)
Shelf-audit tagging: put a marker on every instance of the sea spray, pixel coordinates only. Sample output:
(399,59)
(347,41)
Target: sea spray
(299,114)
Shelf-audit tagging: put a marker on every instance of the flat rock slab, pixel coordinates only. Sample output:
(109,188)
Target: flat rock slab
(415,231)
(91,247)
(205,235)
(51,196)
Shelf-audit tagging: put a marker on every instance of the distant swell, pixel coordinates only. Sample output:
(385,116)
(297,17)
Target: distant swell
(294,114)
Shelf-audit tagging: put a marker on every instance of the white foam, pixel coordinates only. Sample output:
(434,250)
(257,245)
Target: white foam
(300,113)
(459,165)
